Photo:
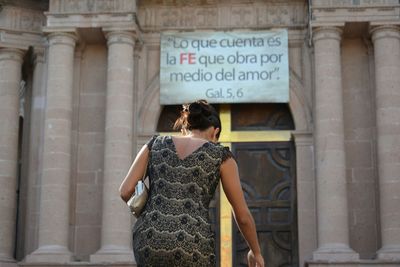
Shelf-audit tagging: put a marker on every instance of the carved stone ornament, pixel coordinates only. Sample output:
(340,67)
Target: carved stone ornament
(91,6)
(205,2)
(325,12)
(256,15)
(64,14)
(21,19)
(353,3)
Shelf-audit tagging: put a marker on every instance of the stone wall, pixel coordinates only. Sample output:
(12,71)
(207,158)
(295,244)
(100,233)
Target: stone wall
(358,97)
(88,179)
(224,16)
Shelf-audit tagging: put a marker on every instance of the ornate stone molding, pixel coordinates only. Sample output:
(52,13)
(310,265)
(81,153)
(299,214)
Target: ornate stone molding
(332,11)
(204,2)
(91,14)
(60,22)
(20,40)
(353,3)
(30,4)
(21,19)
(91,6)
(21,27)
(253,15)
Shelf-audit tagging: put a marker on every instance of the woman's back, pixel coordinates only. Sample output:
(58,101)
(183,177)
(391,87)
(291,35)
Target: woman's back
(174,229)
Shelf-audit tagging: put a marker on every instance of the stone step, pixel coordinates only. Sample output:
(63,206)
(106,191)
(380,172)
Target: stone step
(75,264)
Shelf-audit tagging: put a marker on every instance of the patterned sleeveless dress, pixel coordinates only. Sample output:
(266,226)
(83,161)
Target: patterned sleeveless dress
(174,228)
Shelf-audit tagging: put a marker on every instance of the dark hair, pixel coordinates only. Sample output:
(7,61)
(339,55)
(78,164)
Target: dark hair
(199,115)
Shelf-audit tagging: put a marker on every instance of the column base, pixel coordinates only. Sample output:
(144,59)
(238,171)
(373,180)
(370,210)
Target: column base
(114,254)
(50,254)
(6,261)
(359,263)
(389,253)
(335,252)
(6,258)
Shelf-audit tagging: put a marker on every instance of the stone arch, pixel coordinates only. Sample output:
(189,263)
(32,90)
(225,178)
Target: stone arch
(150,108)
(299,106)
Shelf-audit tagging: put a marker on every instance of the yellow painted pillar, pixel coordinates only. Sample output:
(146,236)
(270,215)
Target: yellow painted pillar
(225,207)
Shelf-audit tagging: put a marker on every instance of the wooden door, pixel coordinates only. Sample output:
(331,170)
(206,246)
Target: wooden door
(267,177)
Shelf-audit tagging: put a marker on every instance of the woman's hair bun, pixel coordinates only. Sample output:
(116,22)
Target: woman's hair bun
(195,109)
(198,115)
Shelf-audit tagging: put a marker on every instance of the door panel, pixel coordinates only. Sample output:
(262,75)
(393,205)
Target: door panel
(268,181)
(261,117)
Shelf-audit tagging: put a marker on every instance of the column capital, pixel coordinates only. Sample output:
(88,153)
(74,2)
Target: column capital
(38,55)
(12,54)
(327,32)
(384,31)
(125,37)
(65,38)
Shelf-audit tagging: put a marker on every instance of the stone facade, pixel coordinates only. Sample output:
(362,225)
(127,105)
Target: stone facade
(91,69)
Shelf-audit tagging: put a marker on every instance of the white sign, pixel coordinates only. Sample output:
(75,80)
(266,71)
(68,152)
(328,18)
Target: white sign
(224,67)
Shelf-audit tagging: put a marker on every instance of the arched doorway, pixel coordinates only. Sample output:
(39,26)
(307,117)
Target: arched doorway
(259,135)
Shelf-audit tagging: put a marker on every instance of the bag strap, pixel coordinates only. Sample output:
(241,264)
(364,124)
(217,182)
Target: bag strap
(144,178)
(151,141)
(149,146)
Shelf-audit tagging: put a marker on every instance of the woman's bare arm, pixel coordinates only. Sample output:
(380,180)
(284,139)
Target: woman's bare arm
(233,190)
(135,173)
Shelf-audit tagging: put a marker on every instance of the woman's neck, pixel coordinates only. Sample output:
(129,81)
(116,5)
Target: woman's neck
(199,134)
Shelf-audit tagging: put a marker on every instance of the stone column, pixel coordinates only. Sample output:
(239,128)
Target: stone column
(330,163)
(37,116)
(10,78)
(306,218)
(55,178)
(116,221)
(386,41)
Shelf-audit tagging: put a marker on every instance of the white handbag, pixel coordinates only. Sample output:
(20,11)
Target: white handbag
(139,198)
